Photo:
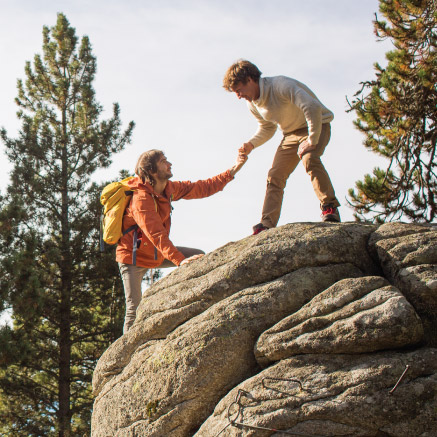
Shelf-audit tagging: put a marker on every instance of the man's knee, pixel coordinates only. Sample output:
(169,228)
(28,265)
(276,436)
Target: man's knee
(276,180)
(311,161)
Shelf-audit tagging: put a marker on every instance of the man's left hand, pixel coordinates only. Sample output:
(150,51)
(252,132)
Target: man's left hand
(190,259)
(305,147)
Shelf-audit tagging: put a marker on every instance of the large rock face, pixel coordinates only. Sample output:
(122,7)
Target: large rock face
(304,329)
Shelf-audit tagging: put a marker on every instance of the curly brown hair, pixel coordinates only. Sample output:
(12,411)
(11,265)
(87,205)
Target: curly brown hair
(147,164)
(240,72)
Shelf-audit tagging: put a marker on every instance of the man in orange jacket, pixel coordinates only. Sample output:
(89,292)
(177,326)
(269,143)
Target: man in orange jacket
(150,209)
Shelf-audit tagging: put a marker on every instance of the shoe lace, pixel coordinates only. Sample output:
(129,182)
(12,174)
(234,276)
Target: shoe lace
(328,210)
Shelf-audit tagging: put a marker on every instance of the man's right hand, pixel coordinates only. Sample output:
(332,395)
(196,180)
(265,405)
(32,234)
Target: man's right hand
(241,159)
(246,148)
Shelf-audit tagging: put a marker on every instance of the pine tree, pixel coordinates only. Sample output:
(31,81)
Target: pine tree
(397,112)
(66,298)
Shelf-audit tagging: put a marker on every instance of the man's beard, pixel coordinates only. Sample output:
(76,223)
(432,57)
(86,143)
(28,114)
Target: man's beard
(164,176)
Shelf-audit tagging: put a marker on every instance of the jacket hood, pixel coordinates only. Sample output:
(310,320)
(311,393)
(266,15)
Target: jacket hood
(137,184)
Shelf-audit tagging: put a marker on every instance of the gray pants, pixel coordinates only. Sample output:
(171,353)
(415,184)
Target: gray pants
(132,277)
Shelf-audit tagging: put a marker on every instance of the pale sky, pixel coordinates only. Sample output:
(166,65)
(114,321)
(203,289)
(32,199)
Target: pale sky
(164,61)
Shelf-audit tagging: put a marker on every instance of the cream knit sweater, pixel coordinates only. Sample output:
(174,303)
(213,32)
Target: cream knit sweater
(289,104)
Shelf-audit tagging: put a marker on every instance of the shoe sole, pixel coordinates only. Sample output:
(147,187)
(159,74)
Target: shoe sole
(331,219)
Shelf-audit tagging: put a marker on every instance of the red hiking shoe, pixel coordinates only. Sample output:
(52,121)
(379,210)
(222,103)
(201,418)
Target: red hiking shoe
(330,214)
(258,228)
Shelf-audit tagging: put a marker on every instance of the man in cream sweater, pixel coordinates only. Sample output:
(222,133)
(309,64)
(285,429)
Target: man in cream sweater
(305,123)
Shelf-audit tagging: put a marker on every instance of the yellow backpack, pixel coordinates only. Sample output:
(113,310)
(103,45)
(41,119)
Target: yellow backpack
(115,197)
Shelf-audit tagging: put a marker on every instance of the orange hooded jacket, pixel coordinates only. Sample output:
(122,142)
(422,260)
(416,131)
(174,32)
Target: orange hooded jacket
(152,213)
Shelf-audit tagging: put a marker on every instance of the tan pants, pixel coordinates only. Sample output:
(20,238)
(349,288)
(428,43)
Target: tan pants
(284,163)
(132,277)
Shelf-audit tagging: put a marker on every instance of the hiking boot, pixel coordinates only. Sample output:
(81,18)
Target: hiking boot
(258,228)
(330,214)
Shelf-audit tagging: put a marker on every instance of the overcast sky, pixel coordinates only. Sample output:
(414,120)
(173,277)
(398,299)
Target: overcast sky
(164,61)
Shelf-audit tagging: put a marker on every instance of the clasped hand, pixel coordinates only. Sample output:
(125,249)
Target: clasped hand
(241,160)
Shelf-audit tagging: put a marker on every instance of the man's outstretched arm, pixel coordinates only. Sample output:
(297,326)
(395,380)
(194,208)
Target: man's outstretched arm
(207,187)
(241,159)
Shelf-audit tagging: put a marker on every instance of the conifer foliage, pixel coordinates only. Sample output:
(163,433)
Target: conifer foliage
(66,299)
(397,111)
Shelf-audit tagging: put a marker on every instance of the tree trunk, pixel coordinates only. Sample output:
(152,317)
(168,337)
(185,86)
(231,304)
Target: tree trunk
(64,414)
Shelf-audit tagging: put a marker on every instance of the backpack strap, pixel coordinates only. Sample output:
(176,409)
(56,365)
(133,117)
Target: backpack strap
(134,237)
(135,245)
(130,228)
(137,242)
